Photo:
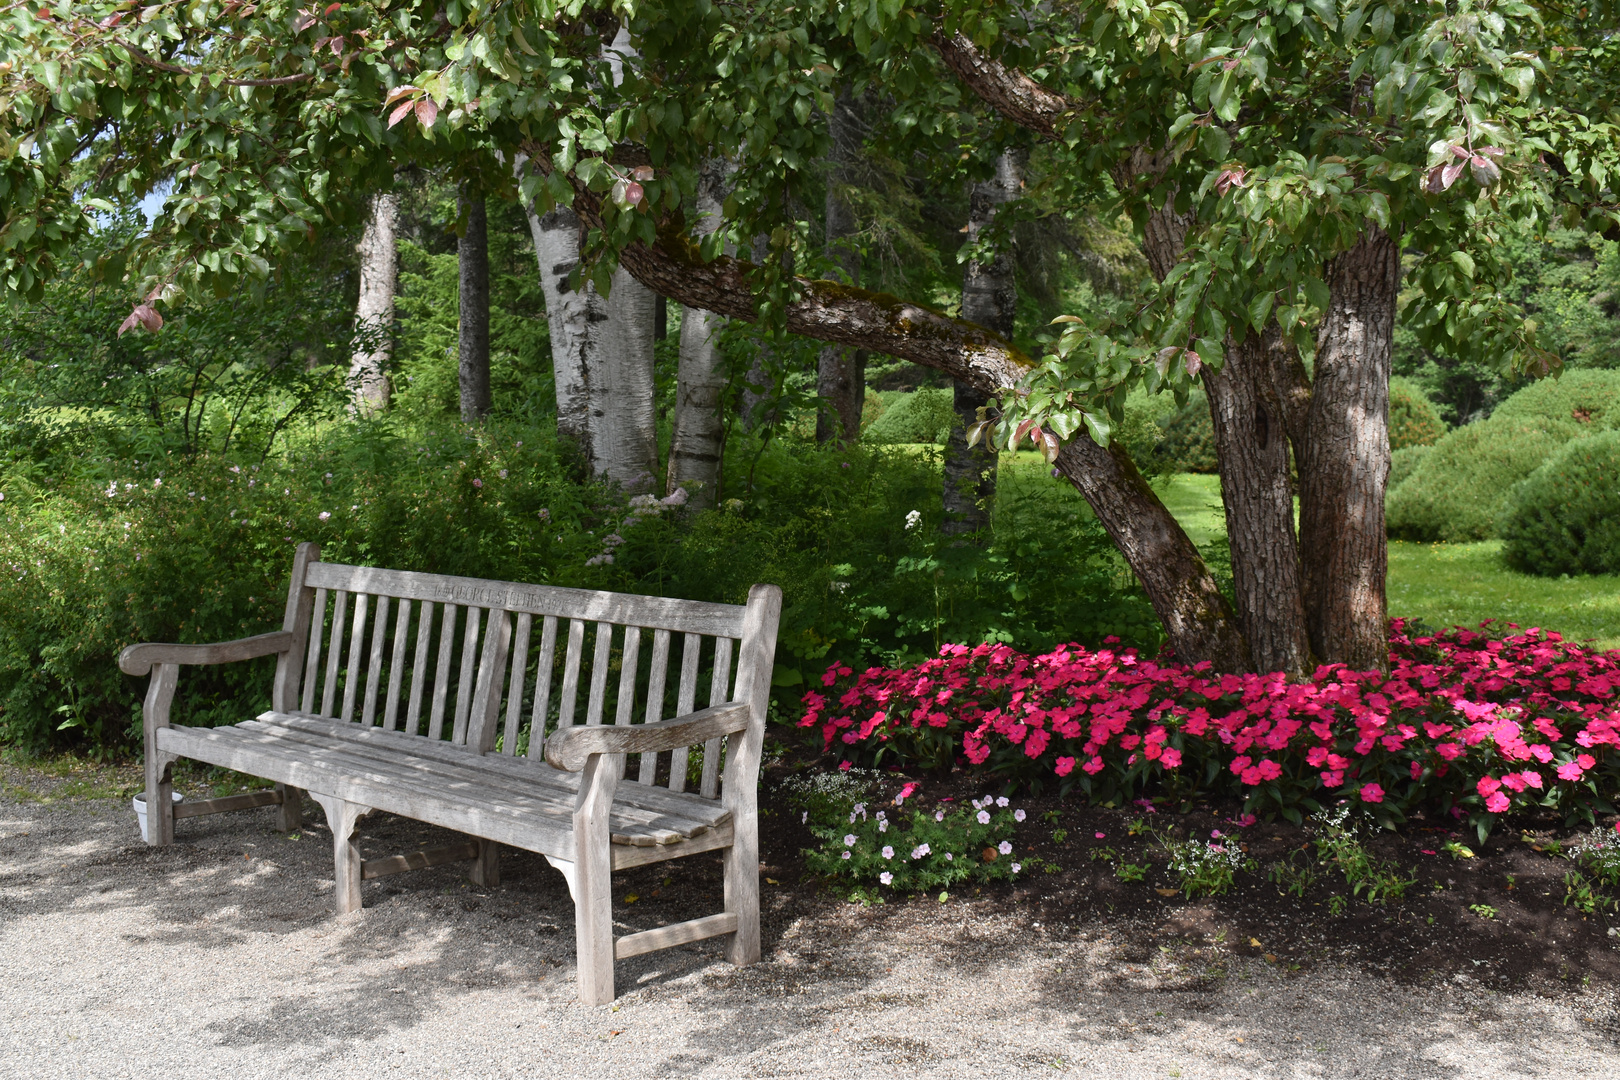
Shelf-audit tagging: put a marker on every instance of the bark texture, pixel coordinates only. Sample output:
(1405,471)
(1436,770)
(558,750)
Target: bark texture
(1346,461)
(473,325)
(841,373)
(1251,442)
(989,298)
(698,443)
(374,313)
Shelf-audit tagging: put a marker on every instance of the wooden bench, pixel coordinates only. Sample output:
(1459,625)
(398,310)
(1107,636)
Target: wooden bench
(372,708)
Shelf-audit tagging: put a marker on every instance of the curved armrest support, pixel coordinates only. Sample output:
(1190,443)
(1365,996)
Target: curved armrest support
(138,659)
(569,748)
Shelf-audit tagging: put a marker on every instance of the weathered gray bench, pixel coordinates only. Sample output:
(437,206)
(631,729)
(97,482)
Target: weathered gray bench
(390,718)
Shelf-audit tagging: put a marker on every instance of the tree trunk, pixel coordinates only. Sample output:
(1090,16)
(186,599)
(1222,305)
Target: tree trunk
(570,314)
(841,373)
(698,443)
(473,332)
(989,298)
(1346,461)
(374,314)
(1251,441)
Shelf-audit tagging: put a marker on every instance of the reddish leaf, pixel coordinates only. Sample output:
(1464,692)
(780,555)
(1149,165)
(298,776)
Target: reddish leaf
(330,8)
(1459,152)
(112,20)
(1449,174)
(337,44)
(1049,447)
(1491,151)
(1162,360)
(426,112)
(642,172)
(633,193)
(1230,65)
(1486,172)
(144,315)
(1194,362)
(1023,429)
(305,20)
(399,92)
(1227,180)
(401,112)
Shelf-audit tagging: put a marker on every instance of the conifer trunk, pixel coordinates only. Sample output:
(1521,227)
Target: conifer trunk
(841,372)
(473,326)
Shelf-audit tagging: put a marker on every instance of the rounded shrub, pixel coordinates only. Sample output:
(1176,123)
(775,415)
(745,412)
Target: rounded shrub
(1403,462)
(923,416)
(1413,419)
(1188,444)
(1588,397)
(1457,489)
(1565,517)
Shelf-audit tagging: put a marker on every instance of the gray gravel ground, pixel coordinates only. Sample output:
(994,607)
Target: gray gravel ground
(218,958)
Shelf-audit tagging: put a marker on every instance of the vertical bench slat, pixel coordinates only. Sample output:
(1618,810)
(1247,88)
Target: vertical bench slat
(340,611)
(368,714)
(570,684)
(514,692)
(655,699)
(483,723)
(465,688)
(441,676)
(719,694)
(312,671)
(629,663)
(684,703)
(599,673)
(396,665)
(419,667)
(542,688)
(351,682)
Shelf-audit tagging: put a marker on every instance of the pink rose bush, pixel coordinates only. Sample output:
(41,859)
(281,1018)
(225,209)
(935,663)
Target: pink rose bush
(1479,722)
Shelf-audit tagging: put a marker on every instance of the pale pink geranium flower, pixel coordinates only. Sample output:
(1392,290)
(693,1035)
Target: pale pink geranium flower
(1016,867)
(849,839)
(888,853)
(1004,847)
(939,815)
(324,515)
(845,855)
(1002,802)
(920,851)
(1018,815)
(949,857)
(886,877)
(478,483)
(984,817)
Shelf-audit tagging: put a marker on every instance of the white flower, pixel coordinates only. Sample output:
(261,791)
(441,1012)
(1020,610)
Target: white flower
(849,839)
(324,515)
(920,850)
(1016,867)
(913,520)
(883,826)
(984,817)
(675,498)
(1004,847)
(845,855)
(1018,815)
(1002,802)
(949,857)
(939,815)
(888,852)
(804,817)
(886,877)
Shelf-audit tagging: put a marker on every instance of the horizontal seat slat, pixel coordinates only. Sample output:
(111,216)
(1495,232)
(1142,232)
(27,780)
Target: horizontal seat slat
(658,799)
(651,612)
(231,749)
(627,819)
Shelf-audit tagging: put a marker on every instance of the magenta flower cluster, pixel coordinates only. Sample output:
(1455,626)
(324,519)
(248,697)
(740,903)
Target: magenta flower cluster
(1478,720)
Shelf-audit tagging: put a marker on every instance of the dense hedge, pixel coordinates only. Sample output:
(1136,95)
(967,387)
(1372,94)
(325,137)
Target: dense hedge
(1589,397)
(1403,462)
(1565,518)
(922,416)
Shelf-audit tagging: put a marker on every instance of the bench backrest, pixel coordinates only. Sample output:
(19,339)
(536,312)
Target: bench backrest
(494,665)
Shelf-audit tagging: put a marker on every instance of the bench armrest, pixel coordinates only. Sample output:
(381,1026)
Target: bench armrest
(138,659)
(569,748)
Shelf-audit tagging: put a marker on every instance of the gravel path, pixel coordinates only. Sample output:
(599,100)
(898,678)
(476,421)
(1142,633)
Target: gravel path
(218,958)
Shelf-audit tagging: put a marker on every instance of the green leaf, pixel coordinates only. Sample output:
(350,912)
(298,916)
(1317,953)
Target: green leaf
(1464,262)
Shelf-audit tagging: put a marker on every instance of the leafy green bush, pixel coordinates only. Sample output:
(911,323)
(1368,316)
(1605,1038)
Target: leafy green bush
(922,416)
(1404,462)
(1188,444)
(1413,419)
(1457,490)
(1565,517)
(1584,397)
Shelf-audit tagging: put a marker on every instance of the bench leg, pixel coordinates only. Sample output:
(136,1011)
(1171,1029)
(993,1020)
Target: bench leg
(741,861)
(341,817)
(485,871)
(593,880)
(290,814)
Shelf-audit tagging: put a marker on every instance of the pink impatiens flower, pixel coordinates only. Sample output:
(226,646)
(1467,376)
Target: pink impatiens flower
(1372,793)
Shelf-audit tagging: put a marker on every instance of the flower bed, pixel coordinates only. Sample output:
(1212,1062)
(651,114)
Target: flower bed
(1475,722)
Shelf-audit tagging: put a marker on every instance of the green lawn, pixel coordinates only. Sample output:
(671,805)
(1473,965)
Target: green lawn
(1446,584)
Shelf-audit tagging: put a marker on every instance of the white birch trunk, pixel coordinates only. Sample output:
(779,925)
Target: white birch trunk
(697,448)
(374,314)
